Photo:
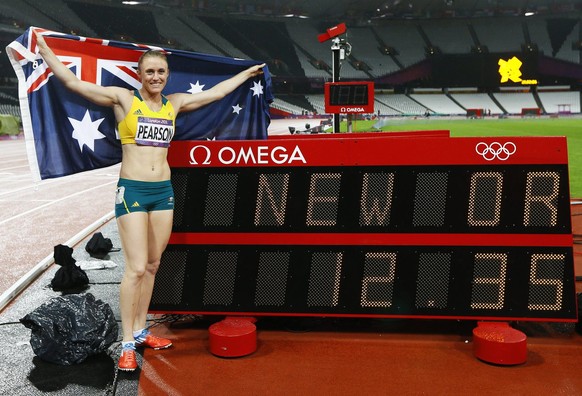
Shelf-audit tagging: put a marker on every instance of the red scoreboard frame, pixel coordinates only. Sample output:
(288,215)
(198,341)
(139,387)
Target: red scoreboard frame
(372,225)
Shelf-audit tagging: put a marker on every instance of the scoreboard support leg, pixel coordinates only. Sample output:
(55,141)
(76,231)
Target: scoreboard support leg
(233,337)
(336,58)
(498,343)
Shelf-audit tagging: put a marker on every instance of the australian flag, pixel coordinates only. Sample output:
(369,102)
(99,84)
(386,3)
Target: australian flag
(67,134)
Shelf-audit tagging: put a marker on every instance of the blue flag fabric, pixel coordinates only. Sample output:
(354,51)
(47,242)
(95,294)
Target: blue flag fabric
(66,134)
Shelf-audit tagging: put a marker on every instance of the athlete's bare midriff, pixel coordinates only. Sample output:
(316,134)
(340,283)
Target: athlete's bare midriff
(145,163)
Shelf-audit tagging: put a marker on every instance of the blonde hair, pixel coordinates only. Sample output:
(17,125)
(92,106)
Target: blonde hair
(151,53)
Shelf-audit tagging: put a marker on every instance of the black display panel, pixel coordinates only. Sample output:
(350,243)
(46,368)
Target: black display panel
(485,69)
(424,281)
(388,199)
(348,94)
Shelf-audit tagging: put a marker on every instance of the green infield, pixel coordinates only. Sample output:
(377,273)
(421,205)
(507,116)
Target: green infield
(569,127)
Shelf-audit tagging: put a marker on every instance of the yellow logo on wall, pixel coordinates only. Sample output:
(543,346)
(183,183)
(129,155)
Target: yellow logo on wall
(509,70)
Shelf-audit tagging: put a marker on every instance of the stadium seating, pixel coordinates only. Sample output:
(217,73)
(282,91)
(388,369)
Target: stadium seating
(406,39)
(62,13)
(438,104)
(538,34)
(514,102)
(556,102)
(566,51)
(400,103)
(499,34)
(477,101)
(450,38)
(291,49)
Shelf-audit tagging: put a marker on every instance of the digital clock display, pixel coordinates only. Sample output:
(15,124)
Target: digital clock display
(349,97)
(348,94)
(373,226)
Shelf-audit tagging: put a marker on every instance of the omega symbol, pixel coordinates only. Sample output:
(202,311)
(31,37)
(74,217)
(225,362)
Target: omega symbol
(206,159)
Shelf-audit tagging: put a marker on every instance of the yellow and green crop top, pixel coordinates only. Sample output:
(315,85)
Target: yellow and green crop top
(145,127)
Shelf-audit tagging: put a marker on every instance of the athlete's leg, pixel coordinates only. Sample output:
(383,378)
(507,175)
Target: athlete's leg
(159,230)
(133,230)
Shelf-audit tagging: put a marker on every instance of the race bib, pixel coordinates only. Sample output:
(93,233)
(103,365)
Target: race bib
(154,132)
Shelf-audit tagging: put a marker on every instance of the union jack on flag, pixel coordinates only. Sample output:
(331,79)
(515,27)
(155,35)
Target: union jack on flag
(66,134)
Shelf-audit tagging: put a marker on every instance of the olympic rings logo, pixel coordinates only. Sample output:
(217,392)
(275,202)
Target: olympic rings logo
(495,150)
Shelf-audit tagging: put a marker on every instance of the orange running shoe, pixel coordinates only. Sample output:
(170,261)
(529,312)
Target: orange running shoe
(127,361)
(151,341)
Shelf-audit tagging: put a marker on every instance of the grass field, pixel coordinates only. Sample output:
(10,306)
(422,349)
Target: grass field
(569,127)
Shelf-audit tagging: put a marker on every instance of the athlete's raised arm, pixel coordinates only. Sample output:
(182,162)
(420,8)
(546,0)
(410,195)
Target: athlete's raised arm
(103,96)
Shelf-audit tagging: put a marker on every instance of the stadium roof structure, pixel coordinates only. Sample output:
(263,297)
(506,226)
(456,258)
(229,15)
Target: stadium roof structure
(386,9)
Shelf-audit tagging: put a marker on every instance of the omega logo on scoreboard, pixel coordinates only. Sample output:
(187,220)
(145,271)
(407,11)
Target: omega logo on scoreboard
(371,226)
(260,155)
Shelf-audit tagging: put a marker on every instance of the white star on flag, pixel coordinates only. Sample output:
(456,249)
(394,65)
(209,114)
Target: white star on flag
(257,88)
(86,131)
(236,109)
(195,88)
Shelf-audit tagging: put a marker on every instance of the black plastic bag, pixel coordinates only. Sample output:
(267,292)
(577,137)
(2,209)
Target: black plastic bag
(69,277)
(99,246)
(68,329)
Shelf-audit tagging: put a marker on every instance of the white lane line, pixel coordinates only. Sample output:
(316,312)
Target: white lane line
(54,202)
(31,275)
(34,185)
(12,175)
(40,184)
(13,167)
(16,159)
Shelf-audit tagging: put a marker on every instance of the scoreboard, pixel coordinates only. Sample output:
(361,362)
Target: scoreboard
(371,225)
(349,97)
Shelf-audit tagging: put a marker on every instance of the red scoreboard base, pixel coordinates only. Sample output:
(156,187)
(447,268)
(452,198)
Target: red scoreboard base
(233,337)
(498,343)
